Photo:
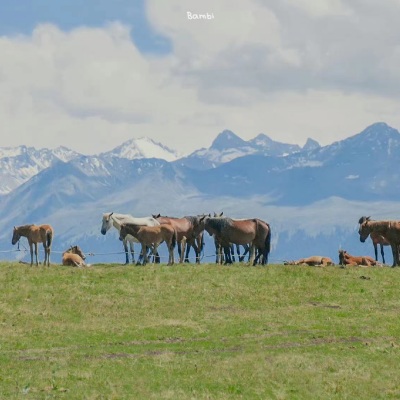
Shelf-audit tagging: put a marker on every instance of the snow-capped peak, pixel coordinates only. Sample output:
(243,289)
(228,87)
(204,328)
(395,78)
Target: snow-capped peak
(143,147)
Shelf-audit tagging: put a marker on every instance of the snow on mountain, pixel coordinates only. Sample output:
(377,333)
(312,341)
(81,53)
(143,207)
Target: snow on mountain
(143,148)
(228,146)
(19,164)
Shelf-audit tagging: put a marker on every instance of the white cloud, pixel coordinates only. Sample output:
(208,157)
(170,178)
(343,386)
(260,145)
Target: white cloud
(290,69)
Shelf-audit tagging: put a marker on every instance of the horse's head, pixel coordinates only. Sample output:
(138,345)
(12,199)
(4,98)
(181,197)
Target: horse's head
(16,236)
(341,256)
(106,223)
(365,229)
(198,225)
(77,250)
(123,232)
(363,219)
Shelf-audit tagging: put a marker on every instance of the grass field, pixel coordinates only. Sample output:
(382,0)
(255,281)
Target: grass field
(201,332)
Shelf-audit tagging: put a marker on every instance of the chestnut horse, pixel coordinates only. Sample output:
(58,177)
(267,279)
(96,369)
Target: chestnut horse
(74,257)
(151,236)
(314,261)
(185,233)
(376,239)
(347,259)
(390,230)
(243,231)
(35,234)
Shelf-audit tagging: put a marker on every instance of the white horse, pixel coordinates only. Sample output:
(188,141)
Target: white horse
(116,220)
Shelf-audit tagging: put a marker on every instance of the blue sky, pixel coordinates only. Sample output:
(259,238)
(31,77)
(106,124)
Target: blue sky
(91,74)
(18,17)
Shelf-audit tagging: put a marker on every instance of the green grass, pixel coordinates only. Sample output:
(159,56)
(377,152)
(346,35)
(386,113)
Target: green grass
(201,332)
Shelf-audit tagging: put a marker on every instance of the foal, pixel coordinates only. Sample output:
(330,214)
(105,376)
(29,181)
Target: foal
(151,236)
(74,257)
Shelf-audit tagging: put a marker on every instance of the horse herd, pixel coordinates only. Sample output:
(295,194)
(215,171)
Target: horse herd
(187,232)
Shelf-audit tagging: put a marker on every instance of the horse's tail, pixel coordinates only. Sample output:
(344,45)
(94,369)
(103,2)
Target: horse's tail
(267,244)
(49,238)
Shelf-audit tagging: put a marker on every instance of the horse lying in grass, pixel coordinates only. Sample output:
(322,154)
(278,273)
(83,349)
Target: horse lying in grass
(35,234)
(347,259)
(314,261)
(152,237)
(74,257)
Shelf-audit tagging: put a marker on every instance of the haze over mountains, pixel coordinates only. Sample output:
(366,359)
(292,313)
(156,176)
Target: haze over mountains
(312,196)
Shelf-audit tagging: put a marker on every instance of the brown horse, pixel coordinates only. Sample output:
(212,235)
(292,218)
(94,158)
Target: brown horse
(314,261)
(35,234)
(347,259)
(390,230)
(243,231)
(186,232)
(74,257)
(151,236)
(377,239)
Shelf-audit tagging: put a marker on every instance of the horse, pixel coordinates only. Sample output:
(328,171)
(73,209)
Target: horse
(74,257)
(244,231)
(314,261)
(347,259)
(35,234)
(390,230)
(376,239)
(151,236)
(218,249)
(185,233)
(115,220)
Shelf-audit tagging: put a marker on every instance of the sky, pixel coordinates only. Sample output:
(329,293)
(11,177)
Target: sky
(90,75)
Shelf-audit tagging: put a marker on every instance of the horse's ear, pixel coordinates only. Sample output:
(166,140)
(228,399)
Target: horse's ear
(221,214)
(159,215)
(111,214)
(202,218)
(368,218)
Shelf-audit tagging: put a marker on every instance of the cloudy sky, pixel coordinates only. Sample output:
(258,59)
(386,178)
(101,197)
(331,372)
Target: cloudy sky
(89,77)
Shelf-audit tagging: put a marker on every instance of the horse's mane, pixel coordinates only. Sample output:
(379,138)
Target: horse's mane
(25,226)
(219,223)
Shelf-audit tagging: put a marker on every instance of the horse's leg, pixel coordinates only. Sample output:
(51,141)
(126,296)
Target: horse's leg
(126,251)
(382,254)
(188,247)
(45,254)
(252,254)
(395,254)
(227,253)
(36,255)
(31,250)
(376,251)
(132,248)
(145,255)
(232,253)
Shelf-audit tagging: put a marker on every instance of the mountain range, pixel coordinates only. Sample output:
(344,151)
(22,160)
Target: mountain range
(312,194)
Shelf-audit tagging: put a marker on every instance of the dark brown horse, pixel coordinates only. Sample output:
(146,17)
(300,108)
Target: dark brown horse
(186,232)
(254,231)
(377,239)
(390,230)
(35,234)
(151,236)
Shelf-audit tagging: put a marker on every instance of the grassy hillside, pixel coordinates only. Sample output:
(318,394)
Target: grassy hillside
(275,332)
